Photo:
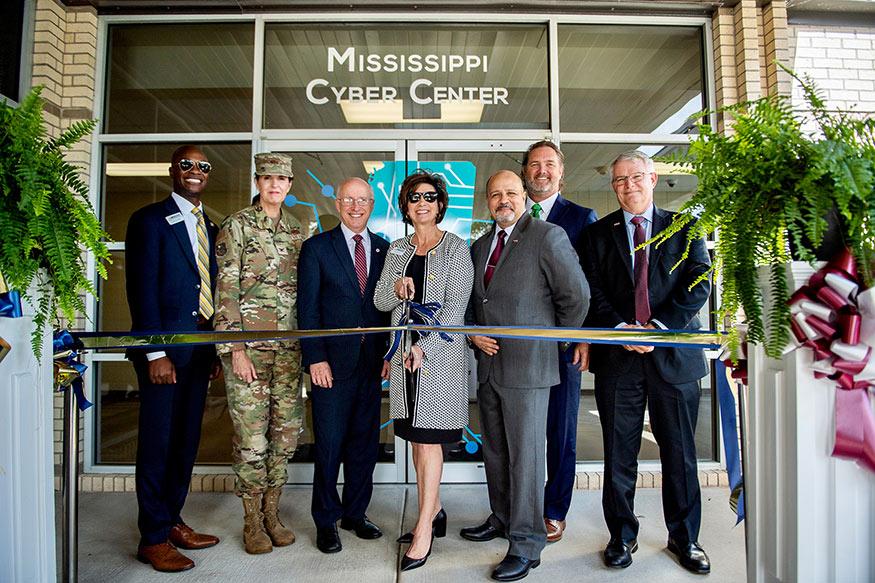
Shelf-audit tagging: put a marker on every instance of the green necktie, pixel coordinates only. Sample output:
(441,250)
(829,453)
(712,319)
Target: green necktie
(536,211)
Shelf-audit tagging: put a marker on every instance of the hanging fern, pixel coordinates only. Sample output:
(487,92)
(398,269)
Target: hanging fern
(767,187)
(46,219)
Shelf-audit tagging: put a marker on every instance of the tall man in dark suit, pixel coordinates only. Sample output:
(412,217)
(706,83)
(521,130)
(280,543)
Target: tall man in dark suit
(525,274)
(639,289)
(170,276)
(542,170)
(337,273)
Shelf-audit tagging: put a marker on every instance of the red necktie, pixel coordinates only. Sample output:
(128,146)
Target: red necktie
(642,297)
(493,259)
(361,265)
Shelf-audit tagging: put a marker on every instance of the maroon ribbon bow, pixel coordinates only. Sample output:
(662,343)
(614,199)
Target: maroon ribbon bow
(826,319)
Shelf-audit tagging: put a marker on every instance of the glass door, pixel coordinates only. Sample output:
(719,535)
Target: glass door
(466,166)
(320,166)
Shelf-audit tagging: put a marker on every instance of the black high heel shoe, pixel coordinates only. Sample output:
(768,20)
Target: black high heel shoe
(438,527)
(408,564)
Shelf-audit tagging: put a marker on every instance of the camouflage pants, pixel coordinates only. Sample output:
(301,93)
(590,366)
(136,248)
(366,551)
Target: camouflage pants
(267,417)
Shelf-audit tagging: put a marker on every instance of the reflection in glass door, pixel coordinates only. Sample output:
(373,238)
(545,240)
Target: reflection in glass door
(320,167)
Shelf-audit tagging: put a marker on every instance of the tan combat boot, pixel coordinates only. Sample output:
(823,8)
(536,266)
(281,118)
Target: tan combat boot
(255,540)
(279,534)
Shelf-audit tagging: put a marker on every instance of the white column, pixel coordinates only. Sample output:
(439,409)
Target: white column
(811,516)
(27,510)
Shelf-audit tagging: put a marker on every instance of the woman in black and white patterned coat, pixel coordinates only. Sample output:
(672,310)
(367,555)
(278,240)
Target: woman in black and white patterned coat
(430,402)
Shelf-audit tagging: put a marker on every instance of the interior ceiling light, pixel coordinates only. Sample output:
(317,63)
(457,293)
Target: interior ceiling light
(137,169)
(372,112)
(661,168)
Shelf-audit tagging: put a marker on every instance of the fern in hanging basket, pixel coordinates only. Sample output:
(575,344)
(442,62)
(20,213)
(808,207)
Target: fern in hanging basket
(767,187)
(46,220)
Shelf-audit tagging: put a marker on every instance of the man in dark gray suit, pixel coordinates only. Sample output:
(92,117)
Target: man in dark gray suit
(526,273)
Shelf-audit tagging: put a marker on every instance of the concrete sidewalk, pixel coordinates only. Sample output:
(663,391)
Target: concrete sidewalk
(108,539)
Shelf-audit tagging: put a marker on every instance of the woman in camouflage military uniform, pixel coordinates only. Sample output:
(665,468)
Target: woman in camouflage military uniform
(257,250)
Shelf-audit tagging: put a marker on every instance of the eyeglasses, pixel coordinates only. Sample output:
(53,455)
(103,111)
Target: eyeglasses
(349,201)
(415,197)
(185,165)
(633,178)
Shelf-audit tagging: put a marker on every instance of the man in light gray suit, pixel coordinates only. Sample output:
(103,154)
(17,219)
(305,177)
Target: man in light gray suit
(526,273)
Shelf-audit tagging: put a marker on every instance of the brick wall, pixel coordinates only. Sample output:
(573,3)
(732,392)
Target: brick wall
(840,60)
(65,43)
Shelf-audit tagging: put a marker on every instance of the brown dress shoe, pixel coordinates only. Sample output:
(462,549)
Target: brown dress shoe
(164,557)
(184,537)
(555,529)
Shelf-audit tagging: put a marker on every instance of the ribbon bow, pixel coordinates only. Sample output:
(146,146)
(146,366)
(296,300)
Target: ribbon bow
(827,316)
(423,314)
(68,368)
(10,301)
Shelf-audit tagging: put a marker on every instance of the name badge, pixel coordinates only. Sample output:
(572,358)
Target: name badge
(398,251)
(174,218)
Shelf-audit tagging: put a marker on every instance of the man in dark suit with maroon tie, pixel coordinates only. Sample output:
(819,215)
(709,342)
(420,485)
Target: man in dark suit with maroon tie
(337,273)
(642,289)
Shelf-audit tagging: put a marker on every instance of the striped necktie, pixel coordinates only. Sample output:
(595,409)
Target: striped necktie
(203,265)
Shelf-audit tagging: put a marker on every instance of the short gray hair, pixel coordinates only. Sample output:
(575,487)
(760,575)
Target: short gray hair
(633,156)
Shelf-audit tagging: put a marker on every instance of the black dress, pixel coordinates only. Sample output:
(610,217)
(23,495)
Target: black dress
(403,428)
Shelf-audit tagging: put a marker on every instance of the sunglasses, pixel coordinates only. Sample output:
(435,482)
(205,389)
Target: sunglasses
(415,197)
(185,165)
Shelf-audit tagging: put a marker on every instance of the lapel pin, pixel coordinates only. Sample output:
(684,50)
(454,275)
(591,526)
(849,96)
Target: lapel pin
(616,224)
(516,241)
(376,250)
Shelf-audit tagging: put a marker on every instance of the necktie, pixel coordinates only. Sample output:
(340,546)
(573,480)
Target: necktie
(493,259)
(536,211)
(203,265)
(642,297)
(361,265)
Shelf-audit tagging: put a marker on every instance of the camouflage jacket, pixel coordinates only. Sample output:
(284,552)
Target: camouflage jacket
(257,287)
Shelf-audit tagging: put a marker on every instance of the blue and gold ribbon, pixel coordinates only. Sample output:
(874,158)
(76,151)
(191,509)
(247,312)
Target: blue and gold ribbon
(68,368)
(423,314)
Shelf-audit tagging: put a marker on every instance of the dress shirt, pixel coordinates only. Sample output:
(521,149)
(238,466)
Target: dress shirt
(546,206)
(630,230)
(348,235)
(191,227)
(507,230)
(630,234)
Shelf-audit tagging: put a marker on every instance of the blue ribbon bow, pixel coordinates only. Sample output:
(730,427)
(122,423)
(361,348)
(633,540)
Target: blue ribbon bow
(422,314)
(64,346)
(10,304)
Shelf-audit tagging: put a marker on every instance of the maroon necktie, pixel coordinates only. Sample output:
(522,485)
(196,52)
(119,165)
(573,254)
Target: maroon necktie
(493,259)
(642,297)
(361,265)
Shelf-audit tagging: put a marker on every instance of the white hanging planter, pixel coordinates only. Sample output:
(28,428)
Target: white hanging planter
(27,507)
(811,516)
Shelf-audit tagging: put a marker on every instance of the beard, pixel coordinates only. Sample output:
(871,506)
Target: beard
(504,216)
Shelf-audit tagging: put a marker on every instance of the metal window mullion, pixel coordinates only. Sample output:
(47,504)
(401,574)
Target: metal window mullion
(553,77)
(257,88)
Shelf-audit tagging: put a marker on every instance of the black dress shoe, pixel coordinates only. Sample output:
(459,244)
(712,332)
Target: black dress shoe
(514,568)
(691,556)
(408,563)
(438,528)
(618,554)
(482,533)
(363,528)
(327,539)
